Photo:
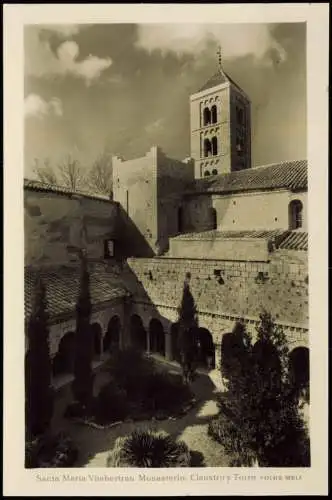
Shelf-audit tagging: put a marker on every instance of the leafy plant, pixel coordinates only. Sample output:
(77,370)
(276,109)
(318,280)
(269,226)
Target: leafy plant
(111,404)
(259,413)
(146,448)
(51,450)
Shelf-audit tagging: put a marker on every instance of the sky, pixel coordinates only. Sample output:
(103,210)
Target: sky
(122,88)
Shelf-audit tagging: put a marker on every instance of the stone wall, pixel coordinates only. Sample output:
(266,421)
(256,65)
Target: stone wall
(56,226)
(225,291)
(212,248)
(244,211)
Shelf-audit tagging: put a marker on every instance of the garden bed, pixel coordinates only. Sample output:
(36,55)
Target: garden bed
(137,391)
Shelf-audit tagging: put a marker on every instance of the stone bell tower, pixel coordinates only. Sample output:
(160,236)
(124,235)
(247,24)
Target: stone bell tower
(220,131)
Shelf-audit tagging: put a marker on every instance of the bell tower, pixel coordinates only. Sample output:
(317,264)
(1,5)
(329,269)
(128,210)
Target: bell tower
(220,126)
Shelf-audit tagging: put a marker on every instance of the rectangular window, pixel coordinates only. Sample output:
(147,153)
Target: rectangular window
(108,249)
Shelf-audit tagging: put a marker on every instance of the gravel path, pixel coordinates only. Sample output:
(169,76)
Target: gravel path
(95,444)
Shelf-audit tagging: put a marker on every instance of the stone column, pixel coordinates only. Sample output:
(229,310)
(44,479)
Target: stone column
(168,346)
(217,353)
(125,326)
(148,346)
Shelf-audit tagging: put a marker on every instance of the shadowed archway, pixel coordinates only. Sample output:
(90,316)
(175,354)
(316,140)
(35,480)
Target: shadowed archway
(299,367)
(138,336)
(112,337)
(96,331)
(205,348)
(63,361)
(157,337)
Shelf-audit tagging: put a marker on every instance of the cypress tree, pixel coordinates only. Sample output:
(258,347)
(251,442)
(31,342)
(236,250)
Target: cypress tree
(83,381)
(38,390)
(261,407)
(188,325)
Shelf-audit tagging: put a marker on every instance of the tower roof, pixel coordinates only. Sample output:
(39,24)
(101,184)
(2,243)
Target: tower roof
(218,79)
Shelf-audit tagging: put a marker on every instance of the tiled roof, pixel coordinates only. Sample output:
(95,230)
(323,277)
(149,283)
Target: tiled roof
(218,79)
(291,175)
(290,240)
(295,241)
(62,286)
(52,188)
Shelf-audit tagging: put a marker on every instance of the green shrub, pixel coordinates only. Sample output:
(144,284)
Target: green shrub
(166,392)
(111,404)
(146,448)
(51,451)
(225,432)
(130,369)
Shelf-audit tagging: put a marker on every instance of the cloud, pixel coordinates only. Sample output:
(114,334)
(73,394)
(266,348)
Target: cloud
(63,30)
(235,40)
(36,106)
(41,61)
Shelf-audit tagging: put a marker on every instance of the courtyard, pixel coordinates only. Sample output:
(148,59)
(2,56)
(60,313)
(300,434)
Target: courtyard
(95,444)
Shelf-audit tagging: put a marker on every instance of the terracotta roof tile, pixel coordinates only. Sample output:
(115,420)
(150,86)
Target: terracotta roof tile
(34,185)
(62,286)
(291,240)
(291,175)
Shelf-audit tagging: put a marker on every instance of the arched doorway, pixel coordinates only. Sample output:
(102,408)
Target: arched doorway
(299,368)
(112,337)
(63,361)
(205,348)
(157,337)
(138,337)
(96,332)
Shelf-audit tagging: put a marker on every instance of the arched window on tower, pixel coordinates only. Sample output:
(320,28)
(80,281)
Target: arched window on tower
(207,147)
(206,116)
(295,214)
(214,146)
(206,173)
(214,114)
(214,171)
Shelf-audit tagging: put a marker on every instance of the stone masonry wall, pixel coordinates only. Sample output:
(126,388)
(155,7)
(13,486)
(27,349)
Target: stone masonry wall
(226,291)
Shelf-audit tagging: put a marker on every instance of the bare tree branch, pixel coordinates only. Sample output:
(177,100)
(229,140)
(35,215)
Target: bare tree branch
(45,171)
(71,173)
(100,176)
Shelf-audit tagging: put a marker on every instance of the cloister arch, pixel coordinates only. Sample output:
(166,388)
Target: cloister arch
(174,341)
(299,367)
(138,335)
(112,336)
(205,348)
(157,336)
(63,361)
(97,334)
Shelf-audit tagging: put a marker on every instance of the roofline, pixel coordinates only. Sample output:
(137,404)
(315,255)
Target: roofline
(230,83)
(216,190)
(63,191)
